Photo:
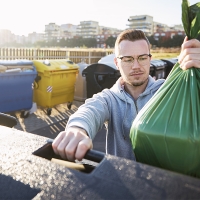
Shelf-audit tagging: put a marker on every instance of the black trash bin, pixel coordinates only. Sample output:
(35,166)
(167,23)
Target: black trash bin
(170,63)
(159,67)
(98,77)
(152,71)
(31,170)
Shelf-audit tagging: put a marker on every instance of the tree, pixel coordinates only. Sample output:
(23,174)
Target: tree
(62,42)
(111,41)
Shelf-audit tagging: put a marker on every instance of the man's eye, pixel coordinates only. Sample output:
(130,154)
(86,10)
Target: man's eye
(128,60)
(142,58)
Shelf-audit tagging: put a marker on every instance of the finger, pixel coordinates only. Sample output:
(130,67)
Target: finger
(193,43)
(62,145)
(191,58)
(189,54)
(57,141)
(82,148)
(77,147)
(191,63)
(184,41)
(70,149)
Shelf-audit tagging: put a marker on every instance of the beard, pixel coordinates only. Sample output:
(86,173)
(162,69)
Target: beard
(136,84)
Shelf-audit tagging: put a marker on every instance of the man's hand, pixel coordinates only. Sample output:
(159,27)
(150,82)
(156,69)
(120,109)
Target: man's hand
(72,144)
(190,54)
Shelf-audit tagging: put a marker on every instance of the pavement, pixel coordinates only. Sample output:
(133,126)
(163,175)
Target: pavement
(50,126)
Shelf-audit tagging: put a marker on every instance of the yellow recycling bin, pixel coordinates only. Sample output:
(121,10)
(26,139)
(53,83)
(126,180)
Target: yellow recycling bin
(55,83)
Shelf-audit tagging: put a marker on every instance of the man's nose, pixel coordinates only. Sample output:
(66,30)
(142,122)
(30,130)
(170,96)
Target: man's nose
(135,64)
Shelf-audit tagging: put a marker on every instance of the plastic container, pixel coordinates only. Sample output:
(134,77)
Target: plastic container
(55,83)
(152,71)
(16,86)
(170,63)
(159,67)
(108,60)
(80,85)
(100,76)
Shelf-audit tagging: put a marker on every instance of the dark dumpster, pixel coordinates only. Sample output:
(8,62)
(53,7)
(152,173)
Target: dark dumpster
(170,63)
(29,170)
(159,67)
(99,76)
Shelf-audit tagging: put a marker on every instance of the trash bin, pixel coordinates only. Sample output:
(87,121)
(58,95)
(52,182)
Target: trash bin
(31,170)
(108,60)
(170,63)
(55,83)
(98,77)
(80,85)
(152,71)
(16,80)
(159,67)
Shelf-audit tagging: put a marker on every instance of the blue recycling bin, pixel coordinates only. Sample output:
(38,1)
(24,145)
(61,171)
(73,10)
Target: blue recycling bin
(16,81)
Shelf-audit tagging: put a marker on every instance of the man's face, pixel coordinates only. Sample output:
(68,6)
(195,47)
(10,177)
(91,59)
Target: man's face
(134,74)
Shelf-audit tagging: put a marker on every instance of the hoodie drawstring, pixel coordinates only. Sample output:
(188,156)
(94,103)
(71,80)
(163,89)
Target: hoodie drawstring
(124,116)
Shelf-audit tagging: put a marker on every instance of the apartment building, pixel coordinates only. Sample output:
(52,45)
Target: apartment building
(68,30)
(142,22)
(159,27)
(105,33)
(52,32)
(6,36)
(88,29)
(168,34)
(35,37)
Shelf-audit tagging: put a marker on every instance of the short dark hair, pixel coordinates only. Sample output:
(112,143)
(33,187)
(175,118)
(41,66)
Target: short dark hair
(131,35)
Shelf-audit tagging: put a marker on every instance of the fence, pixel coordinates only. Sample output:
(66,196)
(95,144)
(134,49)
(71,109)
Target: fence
(76,55)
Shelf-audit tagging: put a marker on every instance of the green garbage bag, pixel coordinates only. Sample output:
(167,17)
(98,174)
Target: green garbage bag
(166,132)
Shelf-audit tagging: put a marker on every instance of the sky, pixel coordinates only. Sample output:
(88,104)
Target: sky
(26,16)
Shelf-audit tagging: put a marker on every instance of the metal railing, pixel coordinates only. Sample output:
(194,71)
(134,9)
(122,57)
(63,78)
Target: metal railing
(76,55)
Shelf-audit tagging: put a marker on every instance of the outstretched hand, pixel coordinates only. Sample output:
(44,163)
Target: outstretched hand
(72,144)
(190,54)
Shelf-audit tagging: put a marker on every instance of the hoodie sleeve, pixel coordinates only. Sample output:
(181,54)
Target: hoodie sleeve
(91,115)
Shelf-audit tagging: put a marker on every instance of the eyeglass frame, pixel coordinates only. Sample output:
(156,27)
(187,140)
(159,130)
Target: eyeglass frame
(121,57)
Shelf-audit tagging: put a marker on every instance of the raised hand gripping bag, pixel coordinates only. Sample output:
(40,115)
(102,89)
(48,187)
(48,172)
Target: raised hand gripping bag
(166,132)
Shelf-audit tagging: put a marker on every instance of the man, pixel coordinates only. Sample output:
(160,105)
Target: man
(119,105)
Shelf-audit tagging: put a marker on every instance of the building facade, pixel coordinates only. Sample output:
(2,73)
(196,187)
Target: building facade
(6,37)
(88,29)
(104,34)
(35,37)
(52,32)
(68,30)
(142,22)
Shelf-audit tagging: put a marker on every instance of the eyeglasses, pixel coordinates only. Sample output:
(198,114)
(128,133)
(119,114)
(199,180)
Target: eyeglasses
(127,61)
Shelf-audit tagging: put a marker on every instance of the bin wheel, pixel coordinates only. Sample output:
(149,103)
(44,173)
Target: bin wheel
(49,111)
(24,114)
(69,105)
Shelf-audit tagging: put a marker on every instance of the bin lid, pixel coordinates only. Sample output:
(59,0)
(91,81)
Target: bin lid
(82,66)
(99,68)
(54,65)
(108,60)
(16,62)
(171,60)
(158,63)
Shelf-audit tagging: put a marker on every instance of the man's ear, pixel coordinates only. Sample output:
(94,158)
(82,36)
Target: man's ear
(116,62)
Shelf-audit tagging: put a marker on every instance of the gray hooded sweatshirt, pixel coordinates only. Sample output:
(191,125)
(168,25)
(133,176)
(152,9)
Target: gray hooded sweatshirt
(118,109)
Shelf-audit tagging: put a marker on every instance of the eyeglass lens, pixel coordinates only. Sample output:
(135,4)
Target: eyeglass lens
(142,60)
